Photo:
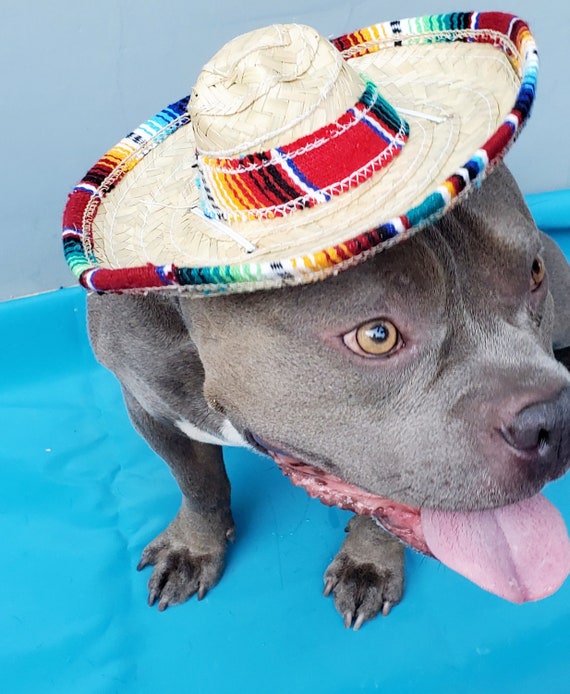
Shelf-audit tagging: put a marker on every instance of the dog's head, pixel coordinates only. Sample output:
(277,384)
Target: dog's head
(424,376)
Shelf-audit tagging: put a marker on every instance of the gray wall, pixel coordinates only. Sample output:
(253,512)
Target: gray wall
(77,76)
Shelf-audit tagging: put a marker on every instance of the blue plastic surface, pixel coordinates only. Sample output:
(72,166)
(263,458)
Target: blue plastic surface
(80,496)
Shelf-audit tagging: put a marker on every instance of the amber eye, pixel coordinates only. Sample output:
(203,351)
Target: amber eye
(375,338)
(537,273)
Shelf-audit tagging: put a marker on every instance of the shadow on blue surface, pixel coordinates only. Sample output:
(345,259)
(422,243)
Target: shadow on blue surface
(80,496)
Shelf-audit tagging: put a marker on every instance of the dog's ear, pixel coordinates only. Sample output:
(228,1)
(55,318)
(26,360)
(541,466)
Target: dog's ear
(559,283)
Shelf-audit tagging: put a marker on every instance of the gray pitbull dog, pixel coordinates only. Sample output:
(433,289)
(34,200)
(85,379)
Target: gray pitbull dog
(415,388)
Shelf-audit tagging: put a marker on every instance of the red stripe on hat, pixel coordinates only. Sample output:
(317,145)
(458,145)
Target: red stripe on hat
(73,213)
(496,144)
(497,21)
(339,158)
(129,278)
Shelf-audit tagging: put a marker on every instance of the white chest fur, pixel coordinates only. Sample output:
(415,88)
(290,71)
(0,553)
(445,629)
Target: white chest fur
(228,435)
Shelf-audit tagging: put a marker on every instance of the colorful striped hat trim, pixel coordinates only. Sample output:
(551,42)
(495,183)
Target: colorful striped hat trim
(508,34)
(309,170)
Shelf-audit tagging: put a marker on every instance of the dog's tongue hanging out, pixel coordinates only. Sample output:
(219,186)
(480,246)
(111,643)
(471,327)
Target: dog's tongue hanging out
(520,552)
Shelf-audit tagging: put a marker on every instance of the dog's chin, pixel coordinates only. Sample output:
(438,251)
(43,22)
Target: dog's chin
(520,551)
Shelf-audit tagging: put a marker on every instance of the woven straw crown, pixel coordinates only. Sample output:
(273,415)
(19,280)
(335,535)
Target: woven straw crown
(296,157)
(268,87)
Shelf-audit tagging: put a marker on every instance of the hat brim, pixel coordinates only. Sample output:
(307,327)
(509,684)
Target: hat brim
(465,82)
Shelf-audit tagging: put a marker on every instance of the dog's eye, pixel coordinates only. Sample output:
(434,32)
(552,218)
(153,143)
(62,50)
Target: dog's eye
(375,338)
(537,273)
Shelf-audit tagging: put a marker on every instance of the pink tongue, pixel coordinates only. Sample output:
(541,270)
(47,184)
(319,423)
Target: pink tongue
(520,552)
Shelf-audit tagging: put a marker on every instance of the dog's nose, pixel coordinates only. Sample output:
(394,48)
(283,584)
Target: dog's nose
(541,432)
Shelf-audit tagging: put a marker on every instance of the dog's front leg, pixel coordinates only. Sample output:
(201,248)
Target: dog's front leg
(367,575)
(188,557)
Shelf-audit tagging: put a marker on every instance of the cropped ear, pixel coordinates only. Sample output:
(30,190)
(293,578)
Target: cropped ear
(559,283)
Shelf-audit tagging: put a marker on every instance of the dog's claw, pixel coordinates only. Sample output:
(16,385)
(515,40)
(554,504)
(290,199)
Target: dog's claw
(329,585)
(348,619)
(386,607)
(152,597)
(359,621)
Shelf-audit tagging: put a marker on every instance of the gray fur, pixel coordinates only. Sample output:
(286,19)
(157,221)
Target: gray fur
(478,350)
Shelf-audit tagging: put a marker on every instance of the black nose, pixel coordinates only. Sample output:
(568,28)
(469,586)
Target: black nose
(541,432)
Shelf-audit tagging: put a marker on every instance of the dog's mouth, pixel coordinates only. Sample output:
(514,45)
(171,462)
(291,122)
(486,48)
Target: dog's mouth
(520,552)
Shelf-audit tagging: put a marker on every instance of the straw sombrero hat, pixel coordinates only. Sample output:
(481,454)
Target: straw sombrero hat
(296,157)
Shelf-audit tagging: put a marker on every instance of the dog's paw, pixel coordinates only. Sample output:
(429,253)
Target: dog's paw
(367,576)
(178,572)
(188,558)
(361,591)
